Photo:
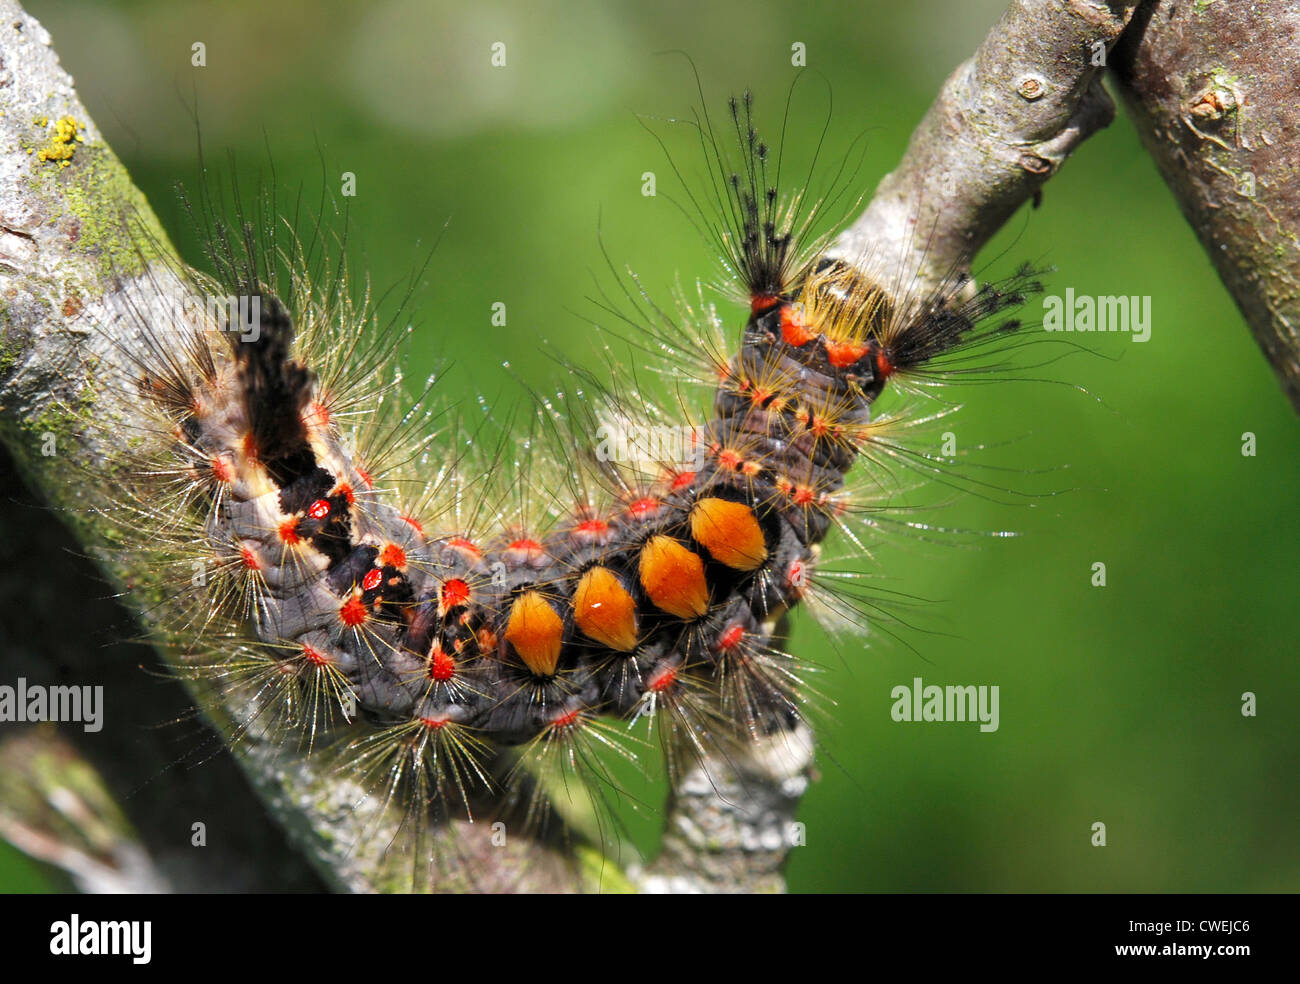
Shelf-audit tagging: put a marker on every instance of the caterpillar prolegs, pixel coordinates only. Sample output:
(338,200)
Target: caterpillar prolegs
(349,571)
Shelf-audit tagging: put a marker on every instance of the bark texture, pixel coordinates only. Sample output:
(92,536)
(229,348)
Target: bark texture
(1214,91)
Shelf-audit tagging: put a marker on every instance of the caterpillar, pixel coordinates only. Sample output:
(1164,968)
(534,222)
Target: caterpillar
(359,577)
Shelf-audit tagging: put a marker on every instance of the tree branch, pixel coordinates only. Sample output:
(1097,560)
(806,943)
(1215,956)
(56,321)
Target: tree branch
(68,260)
(1213,90)
(1003,124)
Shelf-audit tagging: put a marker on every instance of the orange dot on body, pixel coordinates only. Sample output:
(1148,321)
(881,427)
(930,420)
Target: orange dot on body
(884,366)
(392,556)
(537,632)
(730,459)
(729,531)
(794,329)
(673,577)
(842,354)
(604,611)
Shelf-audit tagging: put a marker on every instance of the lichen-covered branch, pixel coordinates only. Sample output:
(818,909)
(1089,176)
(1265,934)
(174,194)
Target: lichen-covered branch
(1214,90)
(80,249)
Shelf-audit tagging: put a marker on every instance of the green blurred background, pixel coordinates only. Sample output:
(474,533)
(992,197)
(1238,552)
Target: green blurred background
(1118,704)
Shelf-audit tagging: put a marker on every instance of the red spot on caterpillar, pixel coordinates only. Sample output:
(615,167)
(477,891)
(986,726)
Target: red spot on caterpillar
(566,718)
(372,579)
(802,496)
(883,365)
(463,545)
(662,679)
(761,302)
(316,415)
(441,666)
(288,533)
(731,638)
(455,592)
(796,576)
(794,330)
(730,459)
(643,507)
(222,471)
(250,559)
(392,556)
(842,354)
(592,526)
(528,550)
(353,612)
(434,723)
(345,490)
(682,479)
(364,475)
(315,656)
(413,523)
(318,509)
(248,446)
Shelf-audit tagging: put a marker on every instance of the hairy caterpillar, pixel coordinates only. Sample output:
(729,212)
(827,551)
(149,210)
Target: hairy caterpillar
(354,582)
(1184,507)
